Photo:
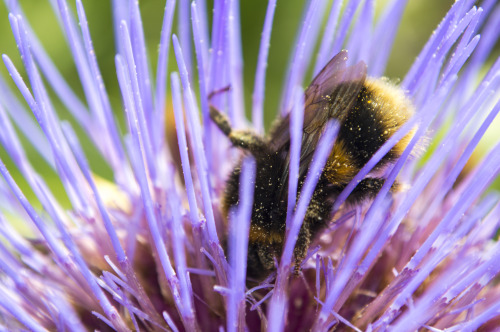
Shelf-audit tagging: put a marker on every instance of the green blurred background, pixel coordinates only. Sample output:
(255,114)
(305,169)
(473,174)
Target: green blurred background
(419,20)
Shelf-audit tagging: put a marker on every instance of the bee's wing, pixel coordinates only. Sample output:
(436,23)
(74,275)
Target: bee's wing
(329,96)
(333,98)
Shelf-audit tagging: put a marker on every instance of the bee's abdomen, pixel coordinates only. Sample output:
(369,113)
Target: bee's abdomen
(269,208)
(379,111)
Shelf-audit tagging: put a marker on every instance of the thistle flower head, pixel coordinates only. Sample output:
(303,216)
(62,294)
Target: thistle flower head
(152,250)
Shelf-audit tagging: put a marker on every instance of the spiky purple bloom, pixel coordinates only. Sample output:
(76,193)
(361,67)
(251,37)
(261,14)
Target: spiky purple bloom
(146,254)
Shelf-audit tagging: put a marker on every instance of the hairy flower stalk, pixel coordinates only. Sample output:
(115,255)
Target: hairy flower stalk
(152,251)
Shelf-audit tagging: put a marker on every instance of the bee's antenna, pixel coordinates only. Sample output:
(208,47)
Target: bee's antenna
(220,120)
(245,139)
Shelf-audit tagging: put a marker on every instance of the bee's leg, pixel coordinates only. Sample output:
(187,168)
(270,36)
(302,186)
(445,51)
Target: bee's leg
(369,188)
(260,260)
(266,256)
(245,139)
(316,219)
(301,246)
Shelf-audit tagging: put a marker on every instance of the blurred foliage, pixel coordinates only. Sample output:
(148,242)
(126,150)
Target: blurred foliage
(419,20)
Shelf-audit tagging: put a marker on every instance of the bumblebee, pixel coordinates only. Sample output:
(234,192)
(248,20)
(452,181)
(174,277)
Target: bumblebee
(368,110)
